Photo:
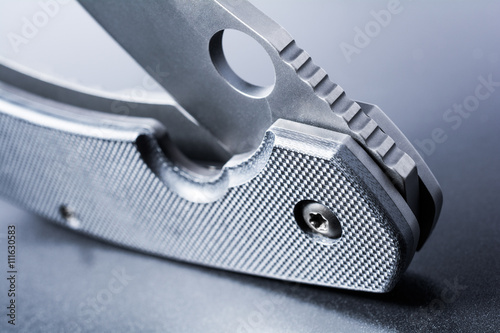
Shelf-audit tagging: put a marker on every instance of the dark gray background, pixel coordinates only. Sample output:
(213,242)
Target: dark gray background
(428,58)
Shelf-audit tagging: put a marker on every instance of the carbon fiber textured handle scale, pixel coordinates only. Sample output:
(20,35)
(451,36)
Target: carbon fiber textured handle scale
(116,183)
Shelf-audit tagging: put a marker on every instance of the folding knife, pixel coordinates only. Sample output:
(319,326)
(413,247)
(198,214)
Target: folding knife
(294,181)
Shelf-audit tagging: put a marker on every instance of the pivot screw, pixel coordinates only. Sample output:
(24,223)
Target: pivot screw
(315,218)
(318,222)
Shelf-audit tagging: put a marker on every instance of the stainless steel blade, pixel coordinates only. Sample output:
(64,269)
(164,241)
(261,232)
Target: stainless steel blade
(181,37)
(192,139)
(184,38)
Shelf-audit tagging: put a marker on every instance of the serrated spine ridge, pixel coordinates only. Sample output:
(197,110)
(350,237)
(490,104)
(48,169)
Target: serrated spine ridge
(363,128)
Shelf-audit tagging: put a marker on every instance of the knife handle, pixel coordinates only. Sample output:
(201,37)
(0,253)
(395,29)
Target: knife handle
(111,179)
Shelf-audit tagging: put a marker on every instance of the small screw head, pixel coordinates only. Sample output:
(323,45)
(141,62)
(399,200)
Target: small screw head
(318,222)
(69,216)
(316,218)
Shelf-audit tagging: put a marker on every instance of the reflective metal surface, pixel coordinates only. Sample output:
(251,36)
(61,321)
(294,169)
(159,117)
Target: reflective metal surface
(450,286)
(297,72)
(115,183)
(238,113)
